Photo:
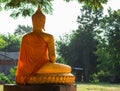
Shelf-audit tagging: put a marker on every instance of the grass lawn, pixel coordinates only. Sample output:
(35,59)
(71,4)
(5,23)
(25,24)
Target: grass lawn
(93,87)
(98,87)
(1,88)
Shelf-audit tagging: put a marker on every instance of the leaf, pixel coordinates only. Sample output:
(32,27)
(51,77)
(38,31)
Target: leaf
(0,8)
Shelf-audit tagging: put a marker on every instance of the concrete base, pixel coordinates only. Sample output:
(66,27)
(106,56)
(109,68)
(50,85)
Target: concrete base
(44,87)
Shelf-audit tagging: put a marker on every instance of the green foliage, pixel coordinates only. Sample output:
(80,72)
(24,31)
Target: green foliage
(3,43)
(22,30)
(101,76)
(109,49)
(26,7)
(94,78)
(11,42)
(103,55)
(4,79)
(61,60)
(0,8)
(62,48)
(10,78)
(94,4)
(78,48)
(96,35)
(12,71)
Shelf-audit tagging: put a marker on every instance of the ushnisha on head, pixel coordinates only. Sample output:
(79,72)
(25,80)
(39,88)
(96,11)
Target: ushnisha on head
(38,20)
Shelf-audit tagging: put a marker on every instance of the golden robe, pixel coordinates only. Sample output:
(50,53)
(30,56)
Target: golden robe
(33,55)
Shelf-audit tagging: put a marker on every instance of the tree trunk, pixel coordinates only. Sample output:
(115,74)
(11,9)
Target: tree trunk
(86,66)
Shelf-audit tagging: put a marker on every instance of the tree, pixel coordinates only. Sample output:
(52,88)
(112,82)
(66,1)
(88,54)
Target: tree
(63,49)
(22,29)
(10,43)
(111,44)
(26,7)
(10,78)
(79,50)
(3,43)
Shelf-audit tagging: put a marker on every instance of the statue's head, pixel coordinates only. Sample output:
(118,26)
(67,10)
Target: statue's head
(38,20)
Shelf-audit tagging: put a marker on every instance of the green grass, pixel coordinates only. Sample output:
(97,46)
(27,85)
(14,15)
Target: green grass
(98,87)
(93,87)
(1,88)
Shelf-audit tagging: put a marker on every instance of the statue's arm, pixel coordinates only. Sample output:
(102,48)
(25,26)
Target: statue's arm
(51,49)
(22,54)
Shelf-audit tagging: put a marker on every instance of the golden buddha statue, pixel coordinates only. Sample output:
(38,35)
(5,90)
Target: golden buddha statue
(36,62)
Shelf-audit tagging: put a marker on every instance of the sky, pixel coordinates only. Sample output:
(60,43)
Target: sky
(63,19)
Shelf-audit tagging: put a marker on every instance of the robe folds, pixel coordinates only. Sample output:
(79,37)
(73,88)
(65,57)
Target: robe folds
(33,55)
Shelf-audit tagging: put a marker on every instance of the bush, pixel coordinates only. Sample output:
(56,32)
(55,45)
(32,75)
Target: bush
(100,77)
(10,78)
(94,78)
(4,78)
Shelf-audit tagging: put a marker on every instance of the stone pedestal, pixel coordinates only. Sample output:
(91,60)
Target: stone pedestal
(44,87)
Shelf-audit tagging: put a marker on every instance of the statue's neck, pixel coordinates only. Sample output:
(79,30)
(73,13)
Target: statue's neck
(38,29)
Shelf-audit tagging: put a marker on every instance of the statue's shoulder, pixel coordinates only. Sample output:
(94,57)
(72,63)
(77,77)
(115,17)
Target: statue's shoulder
(48,35)
(27,35)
